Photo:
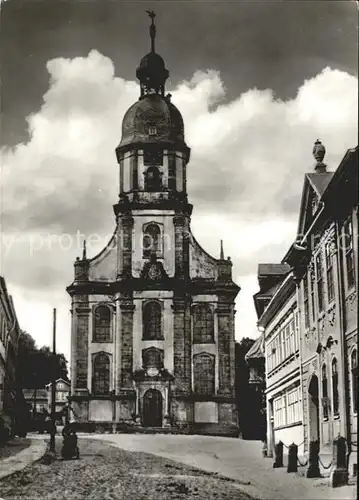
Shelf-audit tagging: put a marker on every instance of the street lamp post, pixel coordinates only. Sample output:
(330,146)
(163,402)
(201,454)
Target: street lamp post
(53,386)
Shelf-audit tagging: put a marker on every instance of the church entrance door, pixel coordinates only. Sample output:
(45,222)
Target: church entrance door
(152,408)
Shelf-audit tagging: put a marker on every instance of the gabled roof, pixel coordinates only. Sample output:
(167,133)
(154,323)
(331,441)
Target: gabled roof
(272,269)
(319,181)
(314,184)
(59,380)
(257,349)
(30,394)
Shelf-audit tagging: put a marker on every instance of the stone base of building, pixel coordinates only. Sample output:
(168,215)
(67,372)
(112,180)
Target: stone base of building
(110,427)
(185,416)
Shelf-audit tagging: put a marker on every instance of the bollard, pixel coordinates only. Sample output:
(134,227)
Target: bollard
(278,452)
(313,467)
(339,474)
(265,449)
(292,458)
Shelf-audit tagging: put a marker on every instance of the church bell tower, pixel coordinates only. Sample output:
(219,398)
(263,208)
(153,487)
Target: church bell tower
(153,313)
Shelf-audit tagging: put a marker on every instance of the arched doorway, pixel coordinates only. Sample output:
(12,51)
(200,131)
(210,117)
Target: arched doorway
(313,403)
(152,408)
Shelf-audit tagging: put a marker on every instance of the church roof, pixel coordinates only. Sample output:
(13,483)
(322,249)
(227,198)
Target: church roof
(152,120)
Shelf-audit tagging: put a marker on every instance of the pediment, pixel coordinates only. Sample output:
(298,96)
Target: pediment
(314,187)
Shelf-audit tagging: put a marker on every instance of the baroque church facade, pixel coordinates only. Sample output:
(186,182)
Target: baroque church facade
(152,340)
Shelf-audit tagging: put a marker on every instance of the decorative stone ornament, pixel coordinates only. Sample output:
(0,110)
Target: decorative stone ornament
(319,153)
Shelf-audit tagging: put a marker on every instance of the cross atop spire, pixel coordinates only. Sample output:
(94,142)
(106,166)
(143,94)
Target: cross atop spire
(152,15)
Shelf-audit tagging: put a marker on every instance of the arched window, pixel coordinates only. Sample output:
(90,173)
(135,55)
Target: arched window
(102,324)
(152,241)
(354,377)
(335,387)
(101,374)
(325,391)
(153,180)
(152,321)
(152,358)
(204,374)
(203,324)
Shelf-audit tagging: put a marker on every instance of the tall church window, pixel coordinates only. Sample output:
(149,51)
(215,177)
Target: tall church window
(354,377)
(335,390)
(152,321)
(325,391)
(172,171)
(349,255)
(152,358)
(319,270)
(329,272)
(203,324)
(204,374)
(101,374)
(102,324)
(152,241)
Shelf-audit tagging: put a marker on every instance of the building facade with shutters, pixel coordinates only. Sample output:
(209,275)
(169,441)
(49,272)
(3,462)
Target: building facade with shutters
(324,268)
(9,339)
(153,313)
(325,263)
(278,318)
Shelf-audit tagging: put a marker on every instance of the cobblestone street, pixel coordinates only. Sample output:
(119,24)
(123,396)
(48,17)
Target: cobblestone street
(107,472)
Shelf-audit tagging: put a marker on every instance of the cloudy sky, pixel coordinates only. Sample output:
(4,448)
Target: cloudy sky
(257,83)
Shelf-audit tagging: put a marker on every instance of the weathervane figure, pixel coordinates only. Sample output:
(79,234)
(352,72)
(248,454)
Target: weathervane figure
(152,15)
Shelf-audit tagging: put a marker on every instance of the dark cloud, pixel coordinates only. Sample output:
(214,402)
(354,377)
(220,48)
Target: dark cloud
(265,44)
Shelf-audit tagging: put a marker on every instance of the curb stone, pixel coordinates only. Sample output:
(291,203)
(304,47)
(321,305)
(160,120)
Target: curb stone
(24,458)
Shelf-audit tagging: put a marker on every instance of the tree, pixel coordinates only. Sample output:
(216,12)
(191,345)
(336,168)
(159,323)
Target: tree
(36,365)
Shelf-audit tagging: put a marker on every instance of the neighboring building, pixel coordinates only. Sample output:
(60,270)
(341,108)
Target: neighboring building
(279,322)
(9,337)
(255,359)
(324,263)
(153,313)
(62,393)
(37,400)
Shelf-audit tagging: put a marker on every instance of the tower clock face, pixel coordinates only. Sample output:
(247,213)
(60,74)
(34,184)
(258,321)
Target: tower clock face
(154,273)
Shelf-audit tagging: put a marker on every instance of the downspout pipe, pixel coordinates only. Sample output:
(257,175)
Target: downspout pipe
(343,343)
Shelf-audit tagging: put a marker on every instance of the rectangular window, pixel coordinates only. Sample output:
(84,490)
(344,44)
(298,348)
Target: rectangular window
(312,295)
(292,337)
(349,254)
(270,357)
(306,302)
(293,406)
(288,349)
(329,272)
(279,411)
(319,273)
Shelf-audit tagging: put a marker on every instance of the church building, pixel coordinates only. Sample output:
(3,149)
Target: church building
(152,340)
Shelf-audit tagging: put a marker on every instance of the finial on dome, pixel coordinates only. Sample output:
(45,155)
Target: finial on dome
(319,153)
(152,72)
(152,15)
(221,256)
(84,253)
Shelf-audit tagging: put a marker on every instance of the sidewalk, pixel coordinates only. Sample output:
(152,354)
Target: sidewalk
(19,461)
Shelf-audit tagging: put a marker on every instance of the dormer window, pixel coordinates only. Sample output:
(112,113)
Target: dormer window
(152,130)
